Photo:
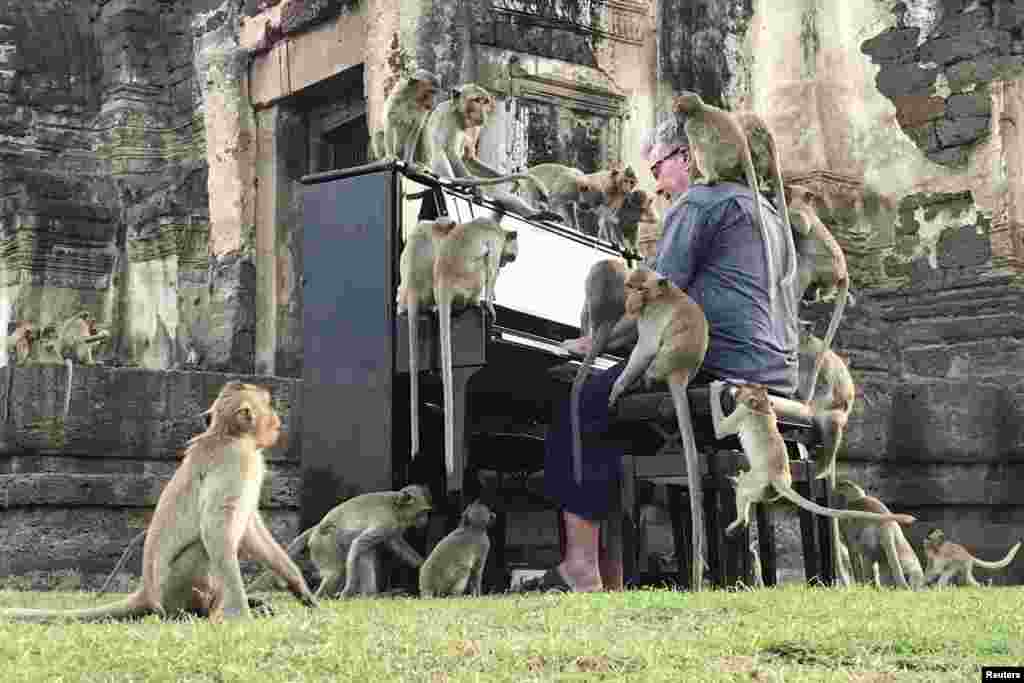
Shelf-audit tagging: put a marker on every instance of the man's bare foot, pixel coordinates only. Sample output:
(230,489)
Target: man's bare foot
(582,579)
(580,346)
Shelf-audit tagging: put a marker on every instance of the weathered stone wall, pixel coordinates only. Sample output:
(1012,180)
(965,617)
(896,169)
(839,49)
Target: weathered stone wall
(75,491)
(904,117)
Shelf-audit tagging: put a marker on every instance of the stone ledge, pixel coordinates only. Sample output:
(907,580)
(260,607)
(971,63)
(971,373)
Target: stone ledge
(118,490)
(129,413)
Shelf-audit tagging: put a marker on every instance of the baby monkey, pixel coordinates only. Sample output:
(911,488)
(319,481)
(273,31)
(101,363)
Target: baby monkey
(947,559)
(457,561)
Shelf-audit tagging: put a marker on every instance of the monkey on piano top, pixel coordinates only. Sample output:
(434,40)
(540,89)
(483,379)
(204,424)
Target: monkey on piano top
(712,249)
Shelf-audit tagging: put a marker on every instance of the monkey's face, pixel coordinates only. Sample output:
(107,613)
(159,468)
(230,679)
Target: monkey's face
(424,96)
(477,106)
(934,538)
(509,248)
(412,506)
(637,290)
(478,516)
(626,181)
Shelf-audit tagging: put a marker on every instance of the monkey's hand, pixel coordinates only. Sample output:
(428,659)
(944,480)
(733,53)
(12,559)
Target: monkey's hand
(617,390)
(303,595)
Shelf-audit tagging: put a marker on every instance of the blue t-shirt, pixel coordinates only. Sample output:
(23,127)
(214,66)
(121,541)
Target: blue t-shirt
(712,248)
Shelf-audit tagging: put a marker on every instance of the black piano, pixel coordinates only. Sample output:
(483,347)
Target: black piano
(507,371)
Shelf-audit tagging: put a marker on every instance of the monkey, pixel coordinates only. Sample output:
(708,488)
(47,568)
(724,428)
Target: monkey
(454,158)
(405,112)
(604,304)
(465,272)
(947,559)
(830,411)
(457,561)
(22,341)
(718,146)
(623,226)
(205,516)
(877,549)
(78,335)
(820,260)
(754,420)
(343,545)
(569,188)
(193,359)
(416,292)
(672,338)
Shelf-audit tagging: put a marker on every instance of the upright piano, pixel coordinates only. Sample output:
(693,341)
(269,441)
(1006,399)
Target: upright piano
(354,417)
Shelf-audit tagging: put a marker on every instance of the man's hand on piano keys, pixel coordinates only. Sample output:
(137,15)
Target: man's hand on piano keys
(580,346)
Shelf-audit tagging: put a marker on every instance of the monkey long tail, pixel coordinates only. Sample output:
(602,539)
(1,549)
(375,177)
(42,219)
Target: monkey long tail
(121,562)
(444,311)
(833,325)
(67,392)
(600,339)
(499,180)
(122,609)
(1001,563)
(789,494)
(677,387)
(413,311)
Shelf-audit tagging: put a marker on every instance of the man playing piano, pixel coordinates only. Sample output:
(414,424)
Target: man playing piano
(711,247)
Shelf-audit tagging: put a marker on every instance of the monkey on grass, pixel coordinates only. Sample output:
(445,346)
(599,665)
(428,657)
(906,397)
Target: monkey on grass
(206,515)
(457,561)
(947,559)
(345,543)
(879,553)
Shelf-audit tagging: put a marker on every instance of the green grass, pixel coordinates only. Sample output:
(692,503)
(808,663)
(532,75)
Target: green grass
(793,633)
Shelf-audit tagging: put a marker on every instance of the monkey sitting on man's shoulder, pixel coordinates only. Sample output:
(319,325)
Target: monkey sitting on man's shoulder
(457,561)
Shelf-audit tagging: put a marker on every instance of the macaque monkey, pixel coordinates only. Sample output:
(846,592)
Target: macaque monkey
(206,515)
(604,304)
(879,553)
(672,338)
(718,148)
(831,410)
(415,293)
(820,260)
(947,559)
(457,561)
(624,225)
(405,113)
(755,421)
(465,272)
(77,337)
(452,131)
(345,543)
(22,341)
(569,188)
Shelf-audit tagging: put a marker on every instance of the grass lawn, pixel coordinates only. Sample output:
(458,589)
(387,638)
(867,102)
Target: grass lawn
(792,633)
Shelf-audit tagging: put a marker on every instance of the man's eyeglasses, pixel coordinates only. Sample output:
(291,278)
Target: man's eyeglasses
(681,149)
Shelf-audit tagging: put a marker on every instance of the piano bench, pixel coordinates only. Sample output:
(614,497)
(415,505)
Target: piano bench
(641,416)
